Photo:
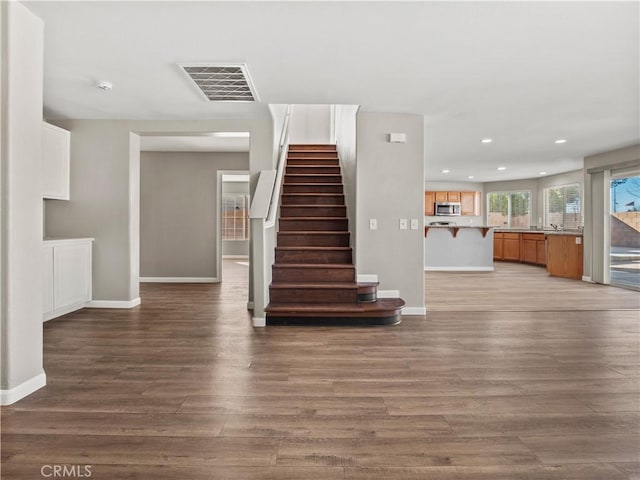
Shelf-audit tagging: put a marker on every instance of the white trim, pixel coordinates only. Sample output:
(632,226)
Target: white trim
(414,311)
(250,306)
(114,303)
(179,280)
(587,279)
(237,257)
(63,311)
(367,278)
(259,322)
(7,397)
(388,294)
(458,269)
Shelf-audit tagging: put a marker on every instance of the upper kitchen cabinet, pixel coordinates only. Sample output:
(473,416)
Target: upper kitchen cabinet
(470,203)
(56,144)
(429,201)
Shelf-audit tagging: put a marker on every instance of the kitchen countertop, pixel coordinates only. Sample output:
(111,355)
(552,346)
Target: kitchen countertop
(458,226)
(575,233)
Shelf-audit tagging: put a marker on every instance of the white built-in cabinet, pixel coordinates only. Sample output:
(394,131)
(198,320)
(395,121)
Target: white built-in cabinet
(56,143)
(66,276)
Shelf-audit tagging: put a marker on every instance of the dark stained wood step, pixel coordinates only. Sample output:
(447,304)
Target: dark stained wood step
(312,169)
(306,224)
(312,154)
(313,239)
(317,255)
(313,178)
(312,199)
(312,146)
(301,272)
(329,162)
(313,211)
(385,308)
(313,292)
(312,188)
(367,291)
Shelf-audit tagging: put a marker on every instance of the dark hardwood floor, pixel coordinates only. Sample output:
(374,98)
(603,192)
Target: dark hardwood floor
(517,376)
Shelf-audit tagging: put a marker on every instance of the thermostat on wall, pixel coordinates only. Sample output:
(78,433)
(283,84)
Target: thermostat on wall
(397,137)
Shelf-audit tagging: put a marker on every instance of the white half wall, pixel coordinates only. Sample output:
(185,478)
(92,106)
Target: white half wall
(21,372)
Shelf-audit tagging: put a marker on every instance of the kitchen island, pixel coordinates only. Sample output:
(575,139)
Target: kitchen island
(462,248)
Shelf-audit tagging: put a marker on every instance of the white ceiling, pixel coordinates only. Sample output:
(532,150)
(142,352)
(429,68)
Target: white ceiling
(521,73)
(193,143)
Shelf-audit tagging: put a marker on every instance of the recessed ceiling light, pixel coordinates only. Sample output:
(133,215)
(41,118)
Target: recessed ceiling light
(445,171)
(470,177)
(561,140)
(487,140)
(543,173)
(502,169)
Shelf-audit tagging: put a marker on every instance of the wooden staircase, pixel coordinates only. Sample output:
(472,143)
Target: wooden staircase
(313,277)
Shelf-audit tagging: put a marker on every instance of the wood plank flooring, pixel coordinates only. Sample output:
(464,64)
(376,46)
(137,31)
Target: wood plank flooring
(520,376)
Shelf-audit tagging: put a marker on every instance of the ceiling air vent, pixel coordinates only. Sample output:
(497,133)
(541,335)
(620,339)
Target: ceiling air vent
(222,83)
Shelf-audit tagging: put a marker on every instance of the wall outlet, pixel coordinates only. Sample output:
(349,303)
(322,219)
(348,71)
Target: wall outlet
(414,224)
(403,224)
(373,224)
(578,240)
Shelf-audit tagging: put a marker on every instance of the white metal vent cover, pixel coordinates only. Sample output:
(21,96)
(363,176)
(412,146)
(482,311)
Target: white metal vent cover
(222,83)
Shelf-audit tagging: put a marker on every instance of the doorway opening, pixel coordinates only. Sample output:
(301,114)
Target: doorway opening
(624,231)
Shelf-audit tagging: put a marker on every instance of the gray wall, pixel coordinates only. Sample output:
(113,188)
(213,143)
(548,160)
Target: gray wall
(390,186)
(597,173)
(179,210)
(104,200)
(21,207)
(235,247)
(456,187)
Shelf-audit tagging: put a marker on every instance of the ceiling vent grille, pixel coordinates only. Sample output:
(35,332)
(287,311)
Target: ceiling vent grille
(222,83)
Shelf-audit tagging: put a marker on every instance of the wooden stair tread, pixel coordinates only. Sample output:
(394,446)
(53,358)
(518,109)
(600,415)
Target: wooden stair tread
(313,232)
(315,218)
(381,306)
(303,247)
(318,285)
(314,265)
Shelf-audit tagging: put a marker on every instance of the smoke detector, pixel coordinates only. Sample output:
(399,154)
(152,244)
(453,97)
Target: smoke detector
(222,83)
(104,86)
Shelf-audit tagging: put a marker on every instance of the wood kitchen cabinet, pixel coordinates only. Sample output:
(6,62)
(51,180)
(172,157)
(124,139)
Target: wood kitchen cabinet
(429,200)
(533,248)
(564,256)
(470,203)
(441,196)
(453,196)
(506,246)
(498,242)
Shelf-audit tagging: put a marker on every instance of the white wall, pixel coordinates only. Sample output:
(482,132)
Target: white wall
(390,186)
(345,127)
(104,200)
(21,157)
(310,124)
(456,187)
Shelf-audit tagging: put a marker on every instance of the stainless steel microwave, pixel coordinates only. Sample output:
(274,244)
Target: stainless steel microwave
(447,208)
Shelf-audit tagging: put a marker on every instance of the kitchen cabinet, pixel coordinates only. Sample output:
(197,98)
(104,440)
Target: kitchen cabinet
(506,246)
(429,200)
(67,276)
(470,202)
(564,255)
(533,248)
(56,144)
(498,242)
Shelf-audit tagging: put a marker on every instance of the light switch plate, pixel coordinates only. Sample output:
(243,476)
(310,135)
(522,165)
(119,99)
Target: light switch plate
(578,240)
(414,224)
(403,224)
(373,224)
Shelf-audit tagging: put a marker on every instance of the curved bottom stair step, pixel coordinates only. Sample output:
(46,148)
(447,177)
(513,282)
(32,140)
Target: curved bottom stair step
(385,311)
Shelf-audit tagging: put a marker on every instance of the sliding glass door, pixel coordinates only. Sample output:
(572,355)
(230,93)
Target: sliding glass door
(625,231)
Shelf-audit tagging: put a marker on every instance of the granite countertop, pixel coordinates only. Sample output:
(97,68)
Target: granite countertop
(575,233)
(458,226)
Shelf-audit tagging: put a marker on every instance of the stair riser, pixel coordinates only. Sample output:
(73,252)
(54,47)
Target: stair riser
(310,178)
(310,240)
(367,293)
(311,146)
(312,274)
(297,170)
(319,211)
(311,188)
(313,256)
(321,162)
(312,200)
(315,154)
(313,295)
(289,225)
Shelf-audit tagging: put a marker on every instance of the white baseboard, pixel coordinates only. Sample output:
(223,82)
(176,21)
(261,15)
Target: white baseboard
(388,293)
(587,279)
(259,322)
(63,311)
(367,278)
(250,305)
(421,311)
(458,269)
(7,397)
(236,257)
(114,303)
(179,280)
